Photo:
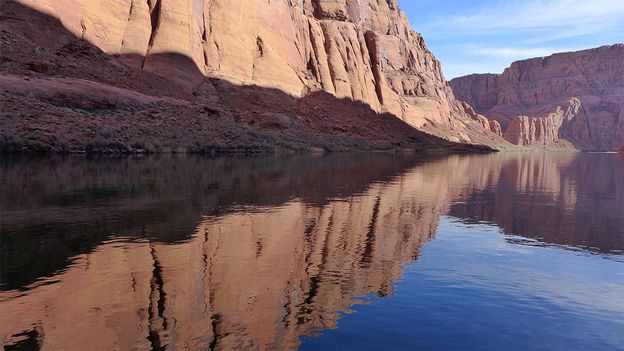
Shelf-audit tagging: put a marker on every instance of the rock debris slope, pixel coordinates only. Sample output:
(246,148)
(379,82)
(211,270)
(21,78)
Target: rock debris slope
(572,98)
(362,51)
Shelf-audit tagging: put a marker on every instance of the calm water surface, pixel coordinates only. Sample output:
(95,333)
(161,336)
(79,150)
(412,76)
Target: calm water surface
(342,252)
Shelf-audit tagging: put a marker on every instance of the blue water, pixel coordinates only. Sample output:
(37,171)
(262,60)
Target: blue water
(471,289)
(333,252)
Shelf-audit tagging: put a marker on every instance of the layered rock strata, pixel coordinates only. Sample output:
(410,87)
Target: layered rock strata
(362,51)
(572,98)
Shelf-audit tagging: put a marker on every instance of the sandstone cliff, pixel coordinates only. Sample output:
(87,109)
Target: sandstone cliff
(362,51)
(575,98)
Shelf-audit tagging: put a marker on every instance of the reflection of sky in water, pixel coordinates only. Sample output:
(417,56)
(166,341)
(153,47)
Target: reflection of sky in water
(471,289)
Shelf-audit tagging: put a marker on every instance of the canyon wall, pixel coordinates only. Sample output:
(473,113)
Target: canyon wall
(364,51)
(572,98)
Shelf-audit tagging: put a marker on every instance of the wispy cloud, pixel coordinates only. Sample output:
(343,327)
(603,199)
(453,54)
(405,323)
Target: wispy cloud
(454,69)
(488,35)
(513,52)
(568,17)
(476,58)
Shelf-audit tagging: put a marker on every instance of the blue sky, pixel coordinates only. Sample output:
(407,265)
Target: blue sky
(486,36)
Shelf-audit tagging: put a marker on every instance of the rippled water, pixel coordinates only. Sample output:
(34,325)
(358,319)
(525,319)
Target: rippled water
(341,252)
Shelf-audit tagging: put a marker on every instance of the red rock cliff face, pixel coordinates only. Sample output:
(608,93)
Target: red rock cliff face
(573,97)
(363,50)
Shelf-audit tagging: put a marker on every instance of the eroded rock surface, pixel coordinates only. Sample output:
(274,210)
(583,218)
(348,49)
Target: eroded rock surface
(359,50)
(575,98)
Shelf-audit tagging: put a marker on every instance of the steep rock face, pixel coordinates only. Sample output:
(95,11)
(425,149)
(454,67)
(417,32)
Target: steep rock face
(362,50)
(544,129)
(573,97)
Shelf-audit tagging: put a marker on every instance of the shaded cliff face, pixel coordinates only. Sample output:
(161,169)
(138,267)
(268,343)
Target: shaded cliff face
(361,51)
(575,98)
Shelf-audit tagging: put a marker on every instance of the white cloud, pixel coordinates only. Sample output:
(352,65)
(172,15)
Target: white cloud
(508,52)
(454,70)
(489,35)
(513,52)
(566,17)
(474,58)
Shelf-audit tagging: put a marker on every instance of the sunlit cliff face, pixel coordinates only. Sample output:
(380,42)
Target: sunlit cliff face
(567,98)
(260,269)
(364,51)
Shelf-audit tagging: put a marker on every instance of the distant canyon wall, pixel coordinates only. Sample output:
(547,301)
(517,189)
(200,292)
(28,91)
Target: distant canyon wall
(572,98)
(361,50)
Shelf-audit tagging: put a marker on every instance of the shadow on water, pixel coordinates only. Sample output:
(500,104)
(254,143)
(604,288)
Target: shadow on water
(229,253)
(56,208)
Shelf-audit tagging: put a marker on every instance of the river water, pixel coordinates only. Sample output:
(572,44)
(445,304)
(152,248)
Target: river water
(508,251)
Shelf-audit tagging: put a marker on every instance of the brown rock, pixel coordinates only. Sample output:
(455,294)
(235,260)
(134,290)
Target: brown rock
(576,97)
(542,130)
(41,66)
(495,127)
(364,51)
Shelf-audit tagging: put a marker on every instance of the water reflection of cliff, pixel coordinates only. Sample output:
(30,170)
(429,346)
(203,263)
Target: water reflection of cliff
(574,200)
(226,254)
(56,208)
(258,278)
